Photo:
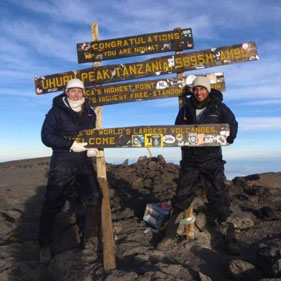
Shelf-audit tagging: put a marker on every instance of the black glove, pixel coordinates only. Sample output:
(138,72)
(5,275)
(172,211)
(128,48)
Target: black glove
(230,139)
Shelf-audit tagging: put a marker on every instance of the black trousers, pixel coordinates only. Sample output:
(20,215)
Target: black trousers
(62,182)
(210,176)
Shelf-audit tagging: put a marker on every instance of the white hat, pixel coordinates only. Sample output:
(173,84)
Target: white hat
(75,83)
(202,81)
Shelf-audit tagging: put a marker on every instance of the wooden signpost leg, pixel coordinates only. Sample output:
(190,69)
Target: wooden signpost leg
(149,151)
(189,229)
(106,220)
(107,230)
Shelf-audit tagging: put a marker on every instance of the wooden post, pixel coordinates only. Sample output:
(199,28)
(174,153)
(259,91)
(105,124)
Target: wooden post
(149,151)
(189,229)
(106,220)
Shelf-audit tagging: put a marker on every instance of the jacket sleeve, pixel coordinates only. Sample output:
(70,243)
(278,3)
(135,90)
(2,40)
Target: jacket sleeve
(50,134)
(229,118)
(180,117)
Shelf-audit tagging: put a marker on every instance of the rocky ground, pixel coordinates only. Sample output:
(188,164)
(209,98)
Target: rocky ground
(255,202)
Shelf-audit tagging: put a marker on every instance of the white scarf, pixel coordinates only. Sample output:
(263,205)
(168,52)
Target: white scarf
(75,104)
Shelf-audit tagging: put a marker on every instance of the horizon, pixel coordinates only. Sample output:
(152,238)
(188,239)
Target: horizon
(229,176)
(39,38)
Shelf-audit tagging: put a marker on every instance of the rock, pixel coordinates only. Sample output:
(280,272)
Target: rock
(276,269)
(142,258)
(244,271)
(117,228)
(175,270)
(132,250)
(161,159)
(254,203)
(118,275)
(200,221)
(243,221)
(144,278)
(265,213)
(269,253)
(125,163)
(268,180)
(204,277)
(270,279)
(13,215)
(155,275)
(156,256)
(141,159)
(138,183)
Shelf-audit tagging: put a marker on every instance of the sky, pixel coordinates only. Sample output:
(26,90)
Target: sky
(39,38)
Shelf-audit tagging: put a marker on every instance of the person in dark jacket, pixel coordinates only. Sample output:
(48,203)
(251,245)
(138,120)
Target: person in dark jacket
(71,166)
(203,166)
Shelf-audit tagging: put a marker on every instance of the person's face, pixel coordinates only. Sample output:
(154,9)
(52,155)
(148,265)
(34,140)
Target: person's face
(75,94)
(200,93)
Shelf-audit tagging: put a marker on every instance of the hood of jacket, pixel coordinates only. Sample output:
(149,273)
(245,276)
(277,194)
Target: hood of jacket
(58,101)
(216,96)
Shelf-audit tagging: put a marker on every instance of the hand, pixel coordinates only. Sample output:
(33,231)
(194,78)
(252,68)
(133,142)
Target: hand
(92,152)
(78,146)
(230,139)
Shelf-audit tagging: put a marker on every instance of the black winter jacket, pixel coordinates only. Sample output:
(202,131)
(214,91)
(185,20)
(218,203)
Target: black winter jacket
(62,122)
(215,113)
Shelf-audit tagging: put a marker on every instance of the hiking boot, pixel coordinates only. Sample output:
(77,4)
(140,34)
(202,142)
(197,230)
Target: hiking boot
(171,230)
(227,231)
(45,254)
(232,249)
(230,241)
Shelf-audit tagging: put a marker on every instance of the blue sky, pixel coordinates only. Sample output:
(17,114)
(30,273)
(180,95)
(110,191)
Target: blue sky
(40,37)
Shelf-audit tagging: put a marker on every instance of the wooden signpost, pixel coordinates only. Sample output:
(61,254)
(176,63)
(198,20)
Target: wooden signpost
(152,67)
(135,45)
(106,220)
(144,136)
(156,136)
(147,90)
(189,229)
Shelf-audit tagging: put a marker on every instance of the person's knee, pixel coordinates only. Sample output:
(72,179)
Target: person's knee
(52,207)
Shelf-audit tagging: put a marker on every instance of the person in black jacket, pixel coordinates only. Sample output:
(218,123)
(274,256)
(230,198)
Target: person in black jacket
(71,166)
(203,166)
